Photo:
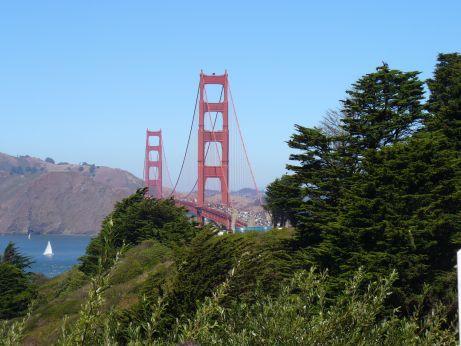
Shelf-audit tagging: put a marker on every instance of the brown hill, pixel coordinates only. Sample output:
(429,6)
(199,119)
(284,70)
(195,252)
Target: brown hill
(45,197)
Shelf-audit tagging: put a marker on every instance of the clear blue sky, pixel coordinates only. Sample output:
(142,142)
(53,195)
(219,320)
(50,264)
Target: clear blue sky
(81,80)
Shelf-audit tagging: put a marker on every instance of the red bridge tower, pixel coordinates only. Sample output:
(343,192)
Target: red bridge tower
(153,164)
(220,136)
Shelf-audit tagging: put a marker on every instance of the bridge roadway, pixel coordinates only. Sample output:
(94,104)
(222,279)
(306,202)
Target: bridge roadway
(218,216)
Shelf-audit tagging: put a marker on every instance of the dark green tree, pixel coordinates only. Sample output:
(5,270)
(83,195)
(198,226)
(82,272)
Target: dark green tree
(401,209)
(283,198)
(12,255)
(382,108)
(383,193)
(16,291)
(135,219)
(261,261)
(365,228)
(321,170)
(444,102)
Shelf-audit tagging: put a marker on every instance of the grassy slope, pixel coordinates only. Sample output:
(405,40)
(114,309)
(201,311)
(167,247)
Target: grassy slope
(64,294)
(136,274)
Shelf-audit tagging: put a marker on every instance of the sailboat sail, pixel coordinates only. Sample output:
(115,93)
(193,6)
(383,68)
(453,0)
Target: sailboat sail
(48,250)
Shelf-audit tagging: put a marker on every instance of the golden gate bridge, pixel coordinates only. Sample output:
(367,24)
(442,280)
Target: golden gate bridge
(212,171)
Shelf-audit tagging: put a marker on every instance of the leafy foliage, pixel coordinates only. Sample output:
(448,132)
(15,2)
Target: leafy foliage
(201,267)
(302,314)
(382,108)
(445,99)
(283,197)
(12,255)
(380,184)
(319,173)
(135,219)
(16,287)
(299,314)
(12,332)
(16,291)
(264,262)
(86,329)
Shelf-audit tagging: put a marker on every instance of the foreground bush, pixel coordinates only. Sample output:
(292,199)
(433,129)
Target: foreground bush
(302,315)
(16,285)
(133,220)
(12,332)
(299,314)
(264,262)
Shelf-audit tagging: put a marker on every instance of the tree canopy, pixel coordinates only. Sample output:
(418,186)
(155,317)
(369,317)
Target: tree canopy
(381,186)
(12,255)
(16,288)
(137,218)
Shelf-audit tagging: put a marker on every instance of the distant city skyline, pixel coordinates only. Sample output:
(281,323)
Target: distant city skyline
(81,82)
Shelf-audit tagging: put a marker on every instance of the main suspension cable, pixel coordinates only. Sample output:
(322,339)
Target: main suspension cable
(208,144)
(167,168)
(188,143)
(243,143)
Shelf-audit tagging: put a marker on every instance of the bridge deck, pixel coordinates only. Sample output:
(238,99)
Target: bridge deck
(218,216)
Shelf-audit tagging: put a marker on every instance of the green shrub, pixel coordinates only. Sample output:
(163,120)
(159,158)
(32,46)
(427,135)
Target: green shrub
(299,314)
(16,291)
(135,219)
(139,260)
(74,280)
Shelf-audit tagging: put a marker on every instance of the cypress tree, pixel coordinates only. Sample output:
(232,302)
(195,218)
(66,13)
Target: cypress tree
(12,255)
(16,288)
(444,102)
(135,219)
(321,172)
(362,187)
(382,108)
(16,291)
(283,197)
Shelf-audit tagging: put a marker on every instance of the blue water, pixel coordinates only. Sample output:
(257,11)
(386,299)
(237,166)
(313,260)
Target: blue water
(253,228)
(67,249)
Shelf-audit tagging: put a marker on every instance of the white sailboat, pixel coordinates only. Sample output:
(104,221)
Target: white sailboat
(48,250)
(28,236)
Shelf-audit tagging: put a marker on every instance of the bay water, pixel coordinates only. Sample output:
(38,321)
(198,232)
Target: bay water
(66,249)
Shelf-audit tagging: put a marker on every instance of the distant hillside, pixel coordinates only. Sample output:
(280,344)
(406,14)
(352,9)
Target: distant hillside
(47,197)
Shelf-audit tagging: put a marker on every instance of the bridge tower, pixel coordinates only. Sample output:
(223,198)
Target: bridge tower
(153,164)
(220,136)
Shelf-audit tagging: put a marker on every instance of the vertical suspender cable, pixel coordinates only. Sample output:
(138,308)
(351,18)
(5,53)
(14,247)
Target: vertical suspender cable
(167,168)
(243,143)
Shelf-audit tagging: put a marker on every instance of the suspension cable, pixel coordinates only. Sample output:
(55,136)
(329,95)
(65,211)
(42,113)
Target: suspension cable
(188,143)
(243,143)
(208,146)
(167,168)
